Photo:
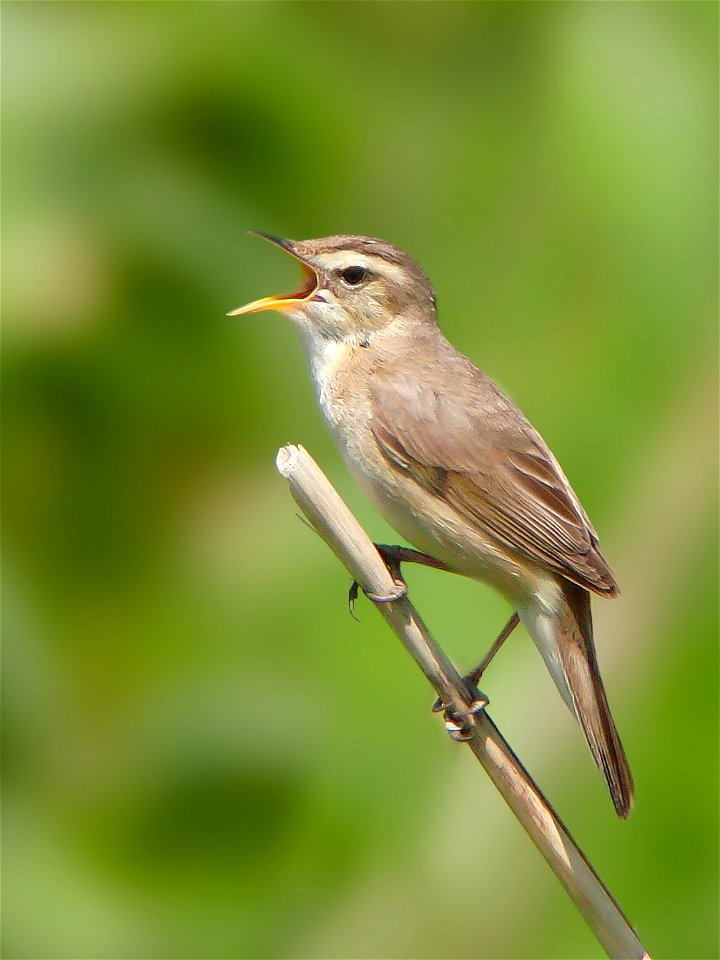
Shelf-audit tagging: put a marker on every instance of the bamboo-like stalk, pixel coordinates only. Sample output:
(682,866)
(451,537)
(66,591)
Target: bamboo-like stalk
(331,518)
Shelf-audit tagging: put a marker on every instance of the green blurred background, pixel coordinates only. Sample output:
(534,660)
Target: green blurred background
(204,755)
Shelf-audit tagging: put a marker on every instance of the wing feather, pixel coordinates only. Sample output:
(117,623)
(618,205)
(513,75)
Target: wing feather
(485,459)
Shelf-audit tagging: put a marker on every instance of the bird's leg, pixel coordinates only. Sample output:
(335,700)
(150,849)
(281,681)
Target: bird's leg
(393,556)
(480,669)
(454,723)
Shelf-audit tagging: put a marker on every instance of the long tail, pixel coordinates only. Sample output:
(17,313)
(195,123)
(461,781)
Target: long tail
(565,639)
(582,674)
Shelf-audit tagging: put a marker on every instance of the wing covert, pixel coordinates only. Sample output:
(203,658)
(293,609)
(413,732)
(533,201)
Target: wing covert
(487,461)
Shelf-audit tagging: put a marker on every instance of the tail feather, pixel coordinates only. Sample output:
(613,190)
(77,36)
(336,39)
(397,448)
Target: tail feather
(580,666)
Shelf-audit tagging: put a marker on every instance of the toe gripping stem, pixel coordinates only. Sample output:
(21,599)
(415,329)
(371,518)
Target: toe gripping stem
(393,556)
(398,593)
(461,724)
(392,562)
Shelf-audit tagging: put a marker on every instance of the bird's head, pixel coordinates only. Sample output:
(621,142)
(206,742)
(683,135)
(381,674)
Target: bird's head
(351,288)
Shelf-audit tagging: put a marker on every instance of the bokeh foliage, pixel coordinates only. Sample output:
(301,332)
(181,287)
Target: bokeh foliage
(204,756)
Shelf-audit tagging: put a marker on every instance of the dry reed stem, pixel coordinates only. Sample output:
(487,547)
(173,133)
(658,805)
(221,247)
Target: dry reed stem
(330,517)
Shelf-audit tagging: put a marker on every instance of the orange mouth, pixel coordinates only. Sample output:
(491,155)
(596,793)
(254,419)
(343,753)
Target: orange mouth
(304,293)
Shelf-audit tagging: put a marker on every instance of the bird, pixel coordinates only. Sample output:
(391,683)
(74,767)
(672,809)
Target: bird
(451,462)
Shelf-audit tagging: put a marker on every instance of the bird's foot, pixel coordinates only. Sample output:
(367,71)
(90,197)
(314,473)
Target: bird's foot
(398,592)
(461,724)
(393,556)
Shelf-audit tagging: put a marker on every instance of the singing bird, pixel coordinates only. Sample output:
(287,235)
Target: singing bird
(451,462)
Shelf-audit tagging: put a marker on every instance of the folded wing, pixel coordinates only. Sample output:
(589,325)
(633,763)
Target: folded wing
(486,460)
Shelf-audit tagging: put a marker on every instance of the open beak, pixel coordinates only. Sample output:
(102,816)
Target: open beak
(301,294)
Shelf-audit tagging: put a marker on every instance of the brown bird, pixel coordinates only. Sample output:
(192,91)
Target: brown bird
(451,462)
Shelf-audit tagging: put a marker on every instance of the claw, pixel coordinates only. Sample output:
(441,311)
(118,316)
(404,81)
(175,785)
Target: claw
(460,733)
(461,726)
(393,556)
(462,729)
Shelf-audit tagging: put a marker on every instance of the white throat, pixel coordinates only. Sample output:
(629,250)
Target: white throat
(324,357)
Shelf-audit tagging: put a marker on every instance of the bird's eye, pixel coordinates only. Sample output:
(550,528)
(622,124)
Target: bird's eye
(353,275)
